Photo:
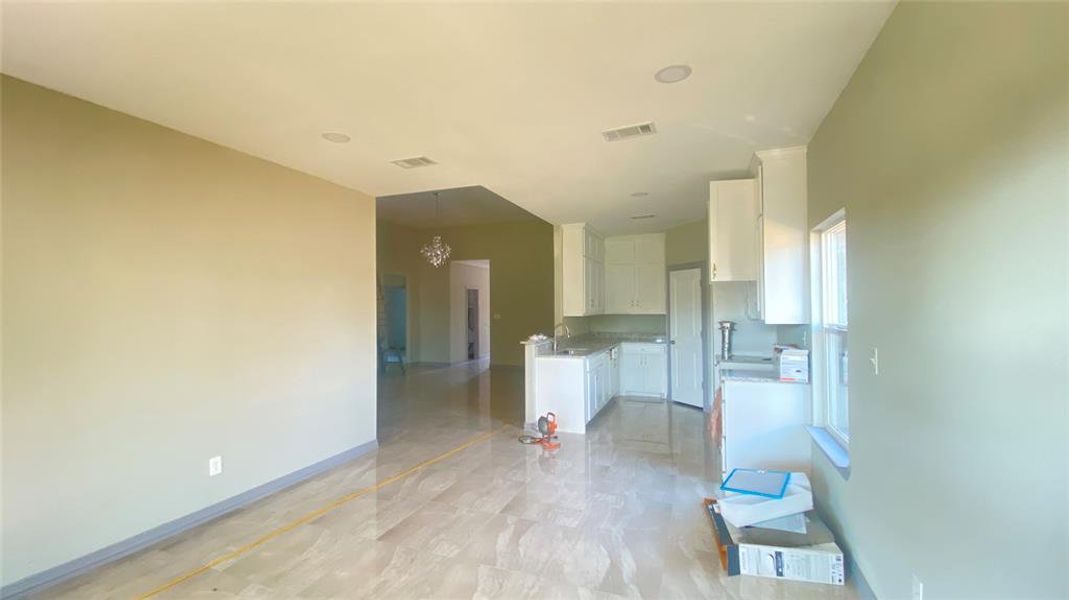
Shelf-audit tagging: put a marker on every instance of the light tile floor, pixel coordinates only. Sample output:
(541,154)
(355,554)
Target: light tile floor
(615,513)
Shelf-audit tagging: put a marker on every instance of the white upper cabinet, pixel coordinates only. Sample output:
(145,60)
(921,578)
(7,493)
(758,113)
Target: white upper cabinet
(758,232)
(732,233)
(635,275)
(583,270)
(782,236)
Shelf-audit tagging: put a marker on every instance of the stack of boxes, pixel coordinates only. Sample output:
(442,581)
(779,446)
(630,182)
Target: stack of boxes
(765,525)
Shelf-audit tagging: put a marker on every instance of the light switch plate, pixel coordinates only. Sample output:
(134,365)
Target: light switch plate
(215,466)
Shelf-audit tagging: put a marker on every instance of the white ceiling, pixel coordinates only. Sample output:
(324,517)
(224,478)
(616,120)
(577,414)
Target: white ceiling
(508,96)
(474,205)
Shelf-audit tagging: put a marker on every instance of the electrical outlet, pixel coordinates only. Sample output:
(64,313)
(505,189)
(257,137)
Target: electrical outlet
(875,360)
(918,589)
(215,466)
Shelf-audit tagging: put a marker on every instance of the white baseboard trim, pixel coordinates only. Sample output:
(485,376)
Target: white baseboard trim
(118,550)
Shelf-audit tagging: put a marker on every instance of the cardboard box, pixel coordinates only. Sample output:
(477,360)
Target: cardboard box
(812,556)
(792,364)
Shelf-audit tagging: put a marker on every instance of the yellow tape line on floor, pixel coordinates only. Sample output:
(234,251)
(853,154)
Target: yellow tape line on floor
(315,514)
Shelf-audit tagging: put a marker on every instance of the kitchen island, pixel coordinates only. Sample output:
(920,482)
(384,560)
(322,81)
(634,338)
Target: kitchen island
(586,372)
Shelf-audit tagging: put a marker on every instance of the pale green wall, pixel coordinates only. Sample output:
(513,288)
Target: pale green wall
(166,300)
(948,149)
(395,255)
(521,282)
(656,324)
(688,243)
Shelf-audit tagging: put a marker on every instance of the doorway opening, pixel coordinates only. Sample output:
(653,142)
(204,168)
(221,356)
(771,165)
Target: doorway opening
(393,320)
(473,324)
(469,282)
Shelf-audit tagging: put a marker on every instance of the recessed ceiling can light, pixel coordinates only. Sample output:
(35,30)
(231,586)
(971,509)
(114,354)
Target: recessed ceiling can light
(673,73)
(336,137)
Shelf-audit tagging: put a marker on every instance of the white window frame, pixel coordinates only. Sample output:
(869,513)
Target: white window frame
(822,411)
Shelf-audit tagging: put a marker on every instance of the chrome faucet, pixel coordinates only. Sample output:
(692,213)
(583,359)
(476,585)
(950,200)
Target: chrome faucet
(567,334)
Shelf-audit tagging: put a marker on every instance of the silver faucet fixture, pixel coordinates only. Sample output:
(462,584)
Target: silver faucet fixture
(567,334)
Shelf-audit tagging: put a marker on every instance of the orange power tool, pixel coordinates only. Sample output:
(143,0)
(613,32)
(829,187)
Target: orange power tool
(547,427)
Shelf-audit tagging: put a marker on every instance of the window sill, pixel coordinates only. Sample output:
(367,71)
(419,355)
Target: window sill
(836,452)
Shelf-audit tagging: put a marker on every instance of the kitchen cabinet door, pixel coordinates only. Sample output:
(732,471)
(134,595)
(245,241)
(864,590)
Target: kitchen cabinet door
(619,289)
(631,379)
(604,389)
(649,249)
(582,270)
(614,373)
(591,394)
(619,251)
(732,212)
(655,380)
(598,286)
(650,289)
(590,277)
(783,237)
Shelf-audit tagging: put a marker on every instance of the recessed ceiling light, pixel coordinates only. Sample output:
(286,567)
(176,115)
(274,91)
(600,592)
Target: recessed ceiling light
(673,73)
(640,217)
(336,137)
(640,194)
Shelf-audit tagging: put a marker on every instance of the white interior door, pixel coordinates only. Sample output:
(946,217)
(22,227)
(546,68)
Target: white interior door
(685,316)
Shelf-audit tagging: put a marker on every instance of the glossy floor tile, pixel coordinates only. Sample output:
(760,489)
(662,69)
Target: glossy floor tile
(615,513)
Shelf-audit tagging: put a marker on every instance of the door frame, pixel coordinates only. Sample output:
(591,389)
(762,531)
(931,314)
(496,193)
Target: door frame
(476,347)
(706,370)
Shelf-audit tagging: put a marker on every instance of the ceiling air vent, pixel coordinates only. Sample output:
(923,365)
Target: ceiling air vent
(630,131)
(412,163)
(640,217)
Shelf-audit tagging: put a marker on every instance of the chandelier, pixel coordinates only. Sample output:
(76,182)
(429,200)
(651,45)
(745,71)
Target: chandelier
(436,251)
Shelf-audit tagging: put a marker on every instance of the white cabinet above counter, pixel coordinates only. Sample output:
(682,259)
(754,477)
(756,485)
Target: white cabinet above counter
(620,275)
(635,274)
(583,270)
(782,236)
(758,232)
(733,230)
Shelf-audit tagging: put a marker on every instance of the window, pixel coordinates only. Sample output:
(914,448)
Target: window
(831,393)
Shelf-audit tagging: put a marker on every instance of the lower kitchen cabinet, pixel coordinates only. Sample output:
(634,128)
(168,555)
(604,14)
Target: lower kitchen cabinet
(575,388)
(598,383)
(644,370)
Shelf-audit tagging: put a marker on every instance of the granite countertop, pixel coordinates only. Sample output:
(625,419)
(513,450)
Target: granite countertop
(755,376)
(588,344)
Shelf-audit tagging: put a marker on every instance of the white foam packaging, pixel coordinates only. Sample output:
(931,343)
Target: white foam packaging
(743,510)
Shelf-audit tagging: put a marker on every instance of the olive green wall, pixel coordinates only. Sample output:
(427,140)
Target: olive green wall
(398,255)
(948,149)
(688,243)
(166,300)
(521,283)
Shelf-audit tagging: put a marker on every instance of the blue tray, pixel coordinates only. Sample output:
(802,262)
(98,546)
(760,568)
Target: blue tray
(757,482)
